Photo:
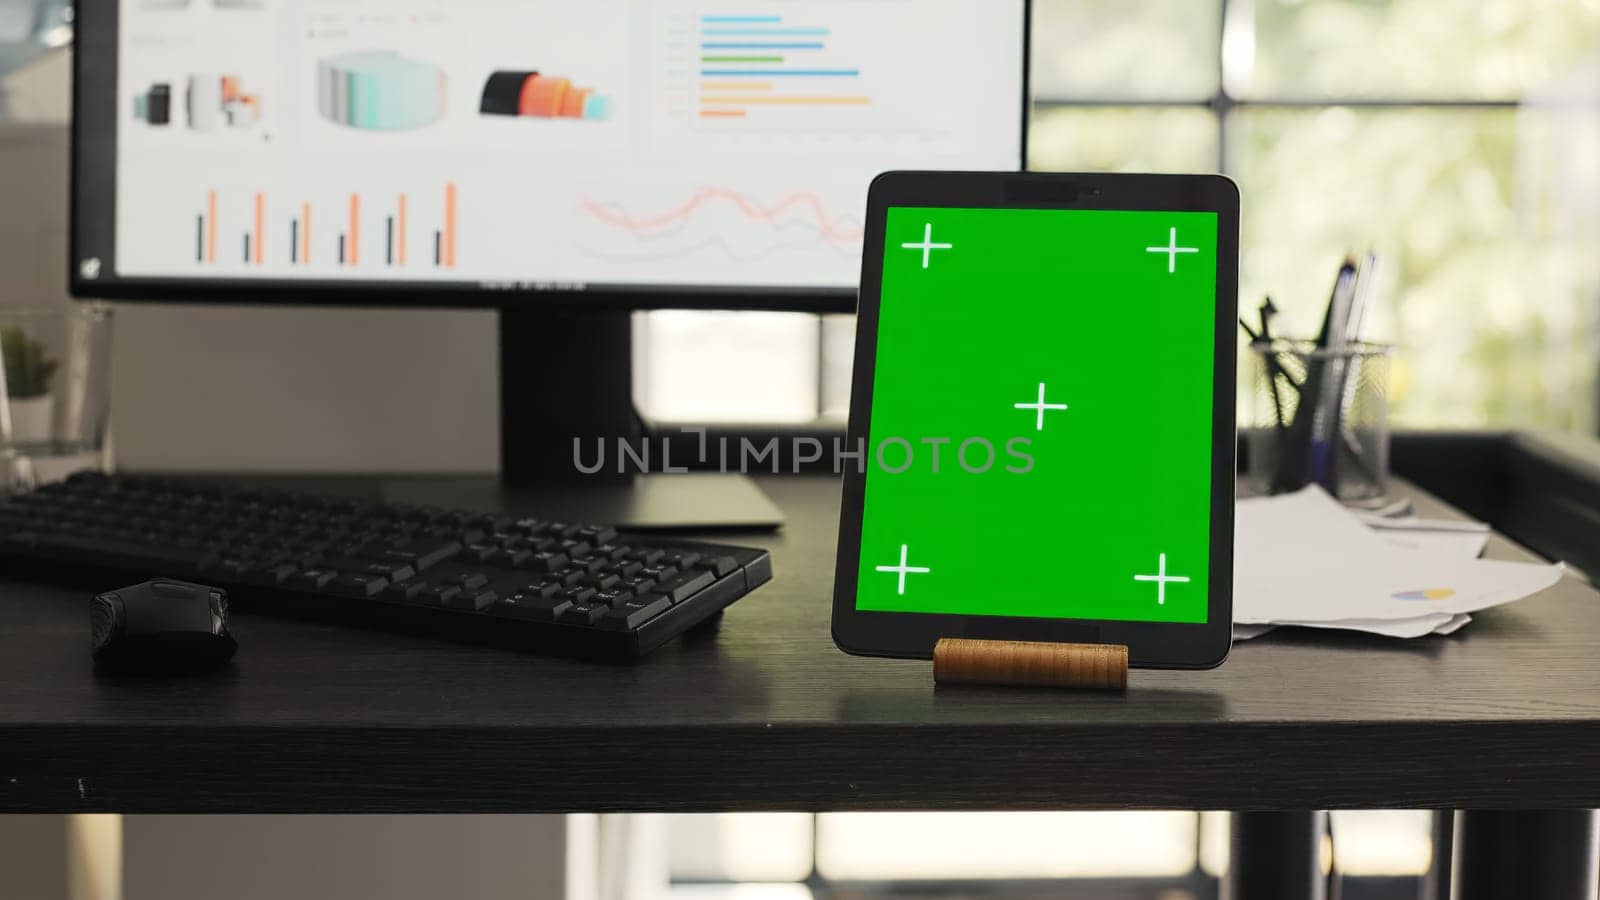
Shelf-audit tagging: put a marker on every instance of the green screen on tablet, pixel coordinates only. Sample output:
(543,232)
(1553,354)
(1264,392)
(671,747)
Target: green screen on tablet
(1040,438)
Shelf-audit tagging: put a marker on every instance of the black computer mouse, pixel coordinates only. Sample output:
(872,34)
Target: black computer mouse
(161,626)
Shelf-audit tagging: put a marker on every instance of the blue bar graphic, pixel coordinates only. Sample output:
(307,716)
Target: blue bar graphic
(764,32)
(731,19)
(774,73)
(717,45)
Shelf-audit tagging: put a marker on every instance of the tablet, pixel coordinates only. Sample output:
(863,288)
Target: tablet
(1041,439)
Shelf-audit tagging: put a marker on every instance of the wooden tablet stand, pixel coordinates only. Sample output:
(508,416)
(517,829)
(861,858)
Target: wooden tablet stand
(1031,664)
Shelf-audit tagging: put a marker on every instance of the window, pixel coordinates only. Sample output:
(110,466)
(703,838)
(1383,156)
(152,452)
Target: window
(1458,138)
(1378,853)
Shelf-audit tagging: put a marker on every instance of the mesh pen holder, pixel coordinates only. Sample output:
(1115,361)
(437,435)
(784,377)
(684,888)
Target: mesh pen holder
(1320,416)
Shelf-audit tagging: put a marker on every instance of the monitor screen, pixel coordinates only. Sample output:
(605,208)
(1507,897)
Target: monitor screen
(634,148)
(1070,413)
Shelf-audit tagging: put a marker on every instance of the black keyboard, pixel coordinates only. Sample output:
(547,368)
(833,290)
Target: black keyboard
(553,587)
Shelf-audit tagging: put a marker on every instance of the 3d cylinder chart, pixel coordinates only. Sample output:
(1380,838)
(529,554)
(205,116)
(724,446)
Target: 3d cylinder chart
(529,93)
(380,91)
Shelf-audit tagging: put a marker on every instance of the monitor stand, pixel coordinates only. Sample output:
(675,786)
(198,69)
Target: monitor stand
(568,374)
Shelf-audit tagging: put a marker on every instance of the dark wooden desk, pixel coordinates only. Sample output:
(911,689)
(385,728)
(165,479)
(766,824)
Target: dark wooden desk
(765,714)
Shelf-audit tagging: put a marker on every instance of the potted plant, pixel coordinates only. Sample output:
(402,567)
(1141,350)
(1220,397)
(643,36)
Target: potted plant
(28,371)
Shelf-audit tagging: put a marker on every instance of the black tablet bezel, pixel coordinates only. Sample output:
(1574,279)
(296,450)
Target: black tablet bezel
(1150,644)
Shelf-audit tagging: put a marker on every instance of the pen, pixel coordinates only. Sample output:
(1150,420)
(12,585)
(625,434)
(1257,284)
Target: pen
(1330,376)
(1299,460)
(1275,369)
(1268,310)
(1362,296)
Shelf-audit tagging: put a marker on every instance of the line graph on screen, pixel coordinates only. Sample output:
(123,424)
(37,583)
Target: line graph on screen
(737,225)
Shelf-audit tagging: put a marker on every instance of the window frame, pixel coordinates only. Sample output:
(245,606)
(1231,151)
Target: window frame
(1235,25)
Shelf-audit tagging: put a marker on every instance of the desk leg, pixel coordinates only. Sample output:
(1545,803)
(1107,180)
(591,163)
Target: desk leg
(1436,883)
(1276,856)
(1536,853)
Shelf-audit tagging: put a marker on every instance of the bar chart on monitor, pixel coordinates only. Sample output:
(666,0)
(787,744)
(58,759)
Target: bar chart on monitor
(345,232)
(785,67)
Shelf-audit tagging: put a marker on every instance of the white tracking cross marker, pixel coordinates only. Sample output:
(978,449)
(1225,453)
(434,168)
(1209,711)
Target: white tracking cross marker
(1040,406)
(927,244)
(1161,578)
(902,569)
(1171,250)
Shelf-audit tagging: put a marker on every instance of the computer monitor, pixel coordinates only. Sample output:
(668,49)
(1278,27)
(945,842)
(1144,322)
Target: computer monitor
(564,161)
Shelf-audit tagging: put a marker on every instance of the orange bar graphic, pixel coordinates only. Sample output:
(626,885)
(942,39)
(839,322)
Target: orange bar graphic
(794,101)
(450,224)
(305,232)
(354,243)
(256,243)
(722,113)
(211,226)
(400,222)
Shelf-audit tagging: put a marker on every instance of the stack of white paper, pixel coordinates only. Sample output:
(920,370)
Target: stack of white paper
(1303,559)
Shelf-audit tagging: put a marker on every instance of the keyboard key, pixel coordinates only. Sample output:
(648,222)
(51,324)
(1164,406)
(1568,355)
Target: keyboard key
(612,598)
(477,552)
(277,574)
(682,560)
(508,557)
(636,585)
(420,554)
(311,579)
(583,614)
(492,523)
(597,534)
(527,606)
(403,593)
(544,562)
(359,586)
(635,612)
(601,581)
(719,565)
(388,571)
(579,594)
(659,573)
(231,568)
(682,587)
(473,600)
(438,594)
(470,581)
